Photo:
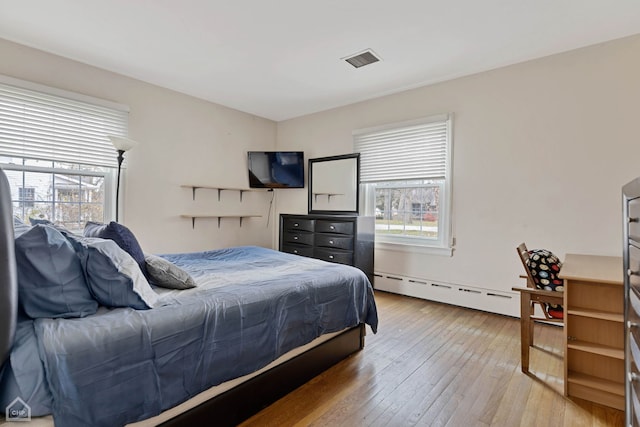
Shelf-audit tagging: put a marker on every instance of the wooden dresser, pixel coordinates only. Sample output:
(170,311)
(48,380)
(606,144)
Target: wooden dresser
(594,329)
(344,239)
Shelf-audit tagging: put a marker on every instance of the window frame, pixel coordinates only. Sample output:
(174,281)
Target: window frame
(89,147)
(108,174)
(443,245)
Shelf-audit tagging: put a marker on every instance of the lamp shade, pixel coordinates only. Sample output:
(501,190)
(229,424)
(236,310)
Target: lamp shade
(121,143)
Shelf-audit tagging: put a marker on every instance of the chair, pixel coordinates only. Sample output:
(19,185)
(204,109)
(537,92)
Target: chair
(529,298)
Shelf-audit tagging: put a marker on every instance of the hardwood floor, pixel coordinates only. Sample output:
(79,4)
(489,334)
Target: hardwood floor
(432,364)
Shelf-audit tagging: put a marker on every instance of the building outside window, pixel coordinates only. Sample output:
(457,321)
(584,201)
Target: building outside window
(406,181)
(26,196)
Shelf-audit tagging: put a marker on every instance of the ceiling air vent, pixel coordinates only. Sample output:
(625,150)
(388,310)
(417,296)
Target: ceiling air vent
(363,58)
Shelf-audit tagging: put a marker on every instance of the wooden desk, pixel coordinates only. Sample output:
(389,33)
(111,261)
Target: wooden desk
(594,329)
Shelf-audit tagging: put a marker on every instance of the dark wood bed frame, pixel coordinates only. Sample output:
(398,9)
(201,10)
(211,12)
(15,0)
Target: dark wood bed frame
(249,398)
(227,409)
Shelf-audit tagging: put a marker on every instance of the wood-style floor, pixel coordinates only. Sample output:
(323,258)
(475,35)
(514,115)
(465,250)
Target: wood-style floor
(432,364)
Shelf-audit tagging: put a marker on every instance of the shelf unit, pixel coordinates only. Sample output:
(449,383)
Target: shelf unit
(329,195)
(241,217)
(195,187)
(594,329)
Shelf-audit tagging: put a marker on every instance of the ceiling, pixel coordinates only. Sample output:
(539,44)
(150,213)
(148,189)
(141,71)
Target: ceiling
(281,59)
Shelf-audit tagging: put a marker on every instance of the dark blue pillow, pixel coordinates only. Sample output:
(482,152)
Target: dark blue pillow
(51,281)
(123,238)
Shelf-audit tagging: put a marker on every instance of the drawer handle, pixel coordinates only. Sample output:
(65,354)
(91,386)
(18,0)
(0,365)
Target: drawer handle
(331,242)
(295,237)
(330,256)
(633,377)
(633,219)
(631,324)
(630,272)
(295,251)
(332,227)
(296,225)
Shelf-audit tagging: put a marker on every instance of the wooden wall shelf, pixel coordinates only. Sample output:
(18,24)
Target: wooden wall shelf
(195,187)
(219,217)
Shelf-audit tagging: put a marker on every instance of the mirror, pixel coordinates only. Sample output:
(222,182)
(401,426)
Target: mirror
(334,184)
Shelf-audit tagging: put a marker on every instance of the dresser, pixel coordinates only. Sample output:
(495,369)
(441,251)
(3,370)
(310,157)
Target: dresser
(631,265)
(344,239)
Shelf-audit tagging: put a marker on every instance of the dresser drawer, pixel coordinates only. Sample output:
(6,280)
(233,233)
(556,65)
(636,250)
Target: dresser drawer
(298,250)
(634,268)
(301,238)
(339,227)
(634,219)
(334,255)
(334,241)
(304,224)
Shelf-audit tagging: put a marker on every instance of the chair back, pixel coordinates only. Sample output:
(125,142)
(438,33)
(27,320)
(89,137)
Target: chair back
(523,254)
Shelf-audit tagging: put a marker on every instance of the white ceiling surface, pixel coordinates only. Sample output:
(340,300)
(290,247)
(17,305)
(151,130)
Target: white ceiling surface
(281,59)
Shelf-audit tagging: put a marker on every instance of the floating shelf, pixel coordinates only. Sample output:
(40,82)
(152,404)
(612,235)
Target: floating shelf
(329,195)
(241,217)
(194,187)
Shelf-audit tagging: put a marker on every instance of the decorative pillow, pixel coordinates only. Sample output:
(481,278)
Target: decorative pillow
(122,236)
(51,282)
(19,227)
(166,274)
(113,276)
(544,267)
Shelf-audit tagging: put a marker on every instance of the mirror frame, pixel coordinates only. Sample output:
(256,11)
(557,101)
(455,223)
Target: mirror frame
(356,157)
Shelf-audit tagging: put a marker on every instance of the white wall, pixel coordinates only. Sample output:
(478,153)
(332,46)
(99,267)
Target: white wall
(541,150)
(183,140)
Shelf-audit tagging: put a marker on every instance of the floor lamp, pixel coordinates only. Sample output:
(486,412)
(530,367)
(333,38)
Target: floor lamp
(121,144)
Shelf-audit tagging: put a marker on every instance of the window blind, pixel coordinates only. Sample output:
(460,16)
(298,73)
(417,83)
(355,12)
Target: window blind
(39,125)
(410,152)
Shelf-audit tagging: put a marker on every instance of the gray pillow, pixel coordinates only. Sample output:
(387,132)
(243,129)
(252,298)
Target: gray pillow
(51,282)
(113,276)
(166,274)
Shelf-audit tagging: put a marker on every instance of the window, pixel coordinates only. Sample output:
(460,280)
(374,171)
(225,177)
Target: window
(405,172)
(55,150)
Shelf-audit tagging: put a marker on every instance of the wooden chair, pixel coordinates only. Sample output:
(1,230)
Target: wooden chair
(529,298)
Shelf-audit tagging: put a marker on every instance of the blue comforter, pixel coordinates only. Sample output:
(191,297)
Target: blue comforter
(251,306)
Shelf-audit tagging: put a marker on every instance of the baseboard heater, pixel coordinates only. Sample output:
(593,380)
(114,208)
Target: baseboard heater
(490,300)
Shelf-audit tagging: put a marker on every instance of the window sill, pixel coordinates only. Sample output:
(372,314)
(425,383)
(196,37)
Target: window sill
(416,249)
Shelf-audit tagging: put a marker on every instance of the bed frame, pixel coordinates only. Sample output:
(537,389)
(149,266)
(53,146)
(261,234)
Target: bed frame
(227,409)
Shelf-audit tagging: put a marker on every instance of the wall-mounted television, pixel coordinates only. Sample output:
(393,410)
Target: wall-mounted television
(276,169)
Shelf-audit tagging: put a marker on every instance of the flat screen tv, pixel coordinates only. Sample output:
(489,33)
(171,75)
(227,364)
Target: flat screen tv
(276,169)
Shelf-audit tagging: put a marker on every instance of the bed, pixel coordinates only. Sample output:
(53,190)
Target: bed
(258,324)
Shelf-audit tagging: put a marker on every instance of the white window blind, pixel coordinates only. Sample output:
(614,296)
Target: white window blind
(415,151)
(40,125)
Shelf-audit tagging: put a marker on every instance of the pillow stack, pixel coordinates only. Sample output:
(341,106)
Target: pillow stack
(65,275)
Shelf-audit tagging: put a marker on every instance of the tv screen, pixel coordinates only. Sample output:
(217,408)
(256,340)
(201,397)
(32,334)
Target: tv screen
(276,169)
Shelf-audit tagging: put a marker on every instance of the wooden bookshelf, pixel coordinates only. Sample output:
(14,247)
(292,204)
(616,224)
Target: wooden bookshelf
(594,329)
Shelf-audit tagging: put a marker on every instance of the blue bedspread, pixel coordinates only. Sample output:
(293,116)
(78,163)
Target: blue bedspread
(251,306)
